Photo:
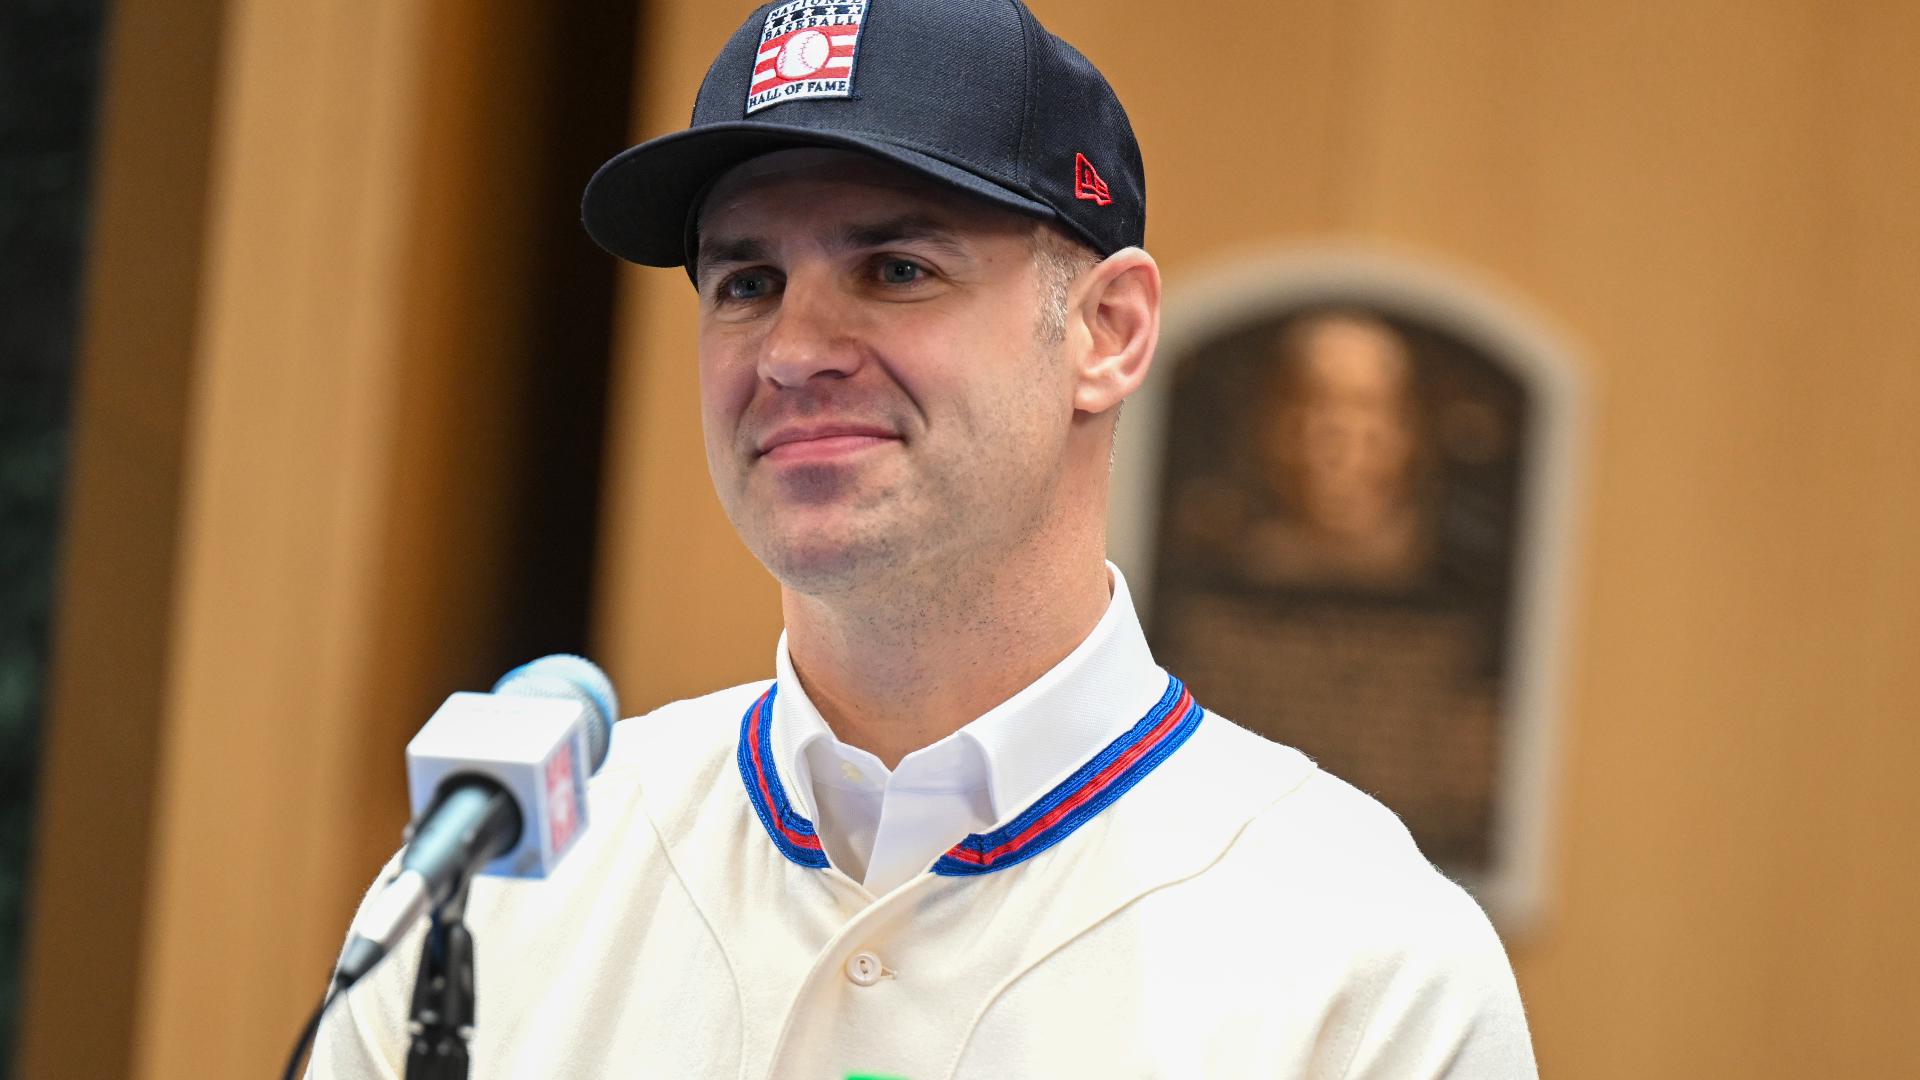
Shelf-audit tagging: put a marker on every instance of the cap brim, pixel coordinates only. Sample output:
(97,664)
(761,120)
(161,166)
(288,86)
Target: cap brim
(640,204)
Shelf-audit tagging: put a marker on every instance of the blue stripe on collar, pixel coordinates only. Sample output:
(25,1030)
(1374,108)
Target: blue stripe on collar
(1092,788)
(791,833)
(1072,803)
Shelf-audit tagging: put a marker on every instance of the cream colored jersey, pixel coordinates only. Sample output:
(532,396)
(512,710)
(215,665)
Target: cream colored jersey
(1230,910)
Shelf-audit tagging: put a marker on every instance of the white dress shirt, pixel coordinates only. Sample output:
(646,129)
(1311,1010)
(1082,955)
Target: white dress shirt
(883,827)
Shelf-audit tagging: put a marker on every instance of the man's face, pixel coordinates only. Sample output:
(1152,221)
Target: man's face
(1347,438)
(876,394)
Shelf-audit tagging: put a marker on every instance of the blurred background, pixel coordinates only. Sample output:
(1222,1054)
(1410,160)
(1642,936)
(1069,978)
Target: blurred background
(318,405)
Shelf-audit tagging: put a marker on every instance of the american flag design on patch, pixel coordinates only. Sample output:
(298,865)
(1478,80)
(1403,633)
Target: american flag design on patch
(806,51)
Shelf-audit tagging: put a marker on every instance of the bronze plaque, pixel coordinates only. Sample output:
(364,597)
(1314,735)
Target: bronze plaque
(1340,545)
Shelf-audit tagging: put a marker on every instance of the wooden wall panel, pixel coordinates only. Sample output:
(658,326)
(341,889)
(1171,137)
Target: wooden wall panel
(282,532)
(1716,205)
(109,668)
(343,346)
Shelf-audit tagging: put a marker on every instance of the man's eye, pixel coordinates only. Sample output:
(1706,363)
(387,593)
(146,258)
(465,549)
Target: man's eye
(900,271)
(748,285)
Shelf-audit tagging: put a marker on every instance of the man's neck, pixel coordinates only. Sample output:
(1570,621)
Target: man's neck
(895,672)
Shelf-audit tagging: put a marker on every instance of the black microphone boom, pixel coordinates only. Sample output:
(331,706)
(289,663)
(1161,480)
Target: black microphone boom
(472,821)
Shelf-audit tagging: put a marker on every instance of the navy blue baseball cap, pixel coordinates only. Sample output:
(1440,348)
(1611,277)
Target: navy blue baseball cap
(971,93)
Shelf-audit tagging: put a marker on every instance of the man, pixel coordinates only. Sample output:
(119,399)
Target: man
(970,829)
(1345,459)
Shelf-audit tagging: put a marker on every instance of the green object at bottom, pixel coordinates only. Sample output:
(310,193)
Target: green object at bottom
(872,1076)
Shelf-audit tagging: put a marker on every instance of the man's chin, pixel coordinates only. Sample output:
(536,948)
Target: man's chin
(816,565)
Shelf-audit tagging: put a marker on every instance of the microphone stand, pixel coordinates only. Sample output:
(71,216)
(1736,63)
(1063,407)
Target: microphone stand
(443,997)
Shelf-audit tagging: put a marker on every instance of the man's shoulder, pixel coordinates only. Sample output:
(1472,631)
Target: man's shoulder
(1322,877)
(681,730)
(1322,842)
(1331,887)
(1298,804)
(1275,814)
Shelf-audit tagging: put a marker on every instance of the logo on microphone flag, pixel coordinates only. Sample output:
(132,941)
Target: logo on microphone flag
(563,812)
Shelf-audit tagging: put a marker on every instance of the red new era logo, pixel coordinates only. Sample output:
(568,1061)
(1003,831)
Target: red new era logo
(1087,183)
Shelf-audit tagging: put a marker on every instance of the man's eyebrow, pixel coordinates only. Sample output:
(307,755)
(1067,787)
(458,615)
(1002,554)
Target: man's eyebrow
(918,228)
(729,250)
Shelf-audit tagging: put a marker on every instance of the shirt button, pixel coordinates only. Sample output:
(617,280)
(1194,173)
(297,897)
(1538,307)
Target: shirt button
(865,969)
(848,770)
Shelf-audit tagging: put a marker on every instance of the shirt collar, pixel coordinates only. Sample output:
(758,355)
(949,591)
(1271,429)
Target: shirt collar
(1026,744)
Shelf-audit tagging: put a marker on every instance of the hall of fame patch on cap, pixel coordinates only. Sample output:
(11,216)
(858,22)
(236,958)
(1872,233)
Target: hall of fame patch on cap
(806,51)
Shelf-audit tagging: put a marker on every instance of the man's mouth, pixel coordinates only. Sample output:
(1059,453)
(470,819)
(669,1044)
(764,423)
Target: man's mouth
(823,441)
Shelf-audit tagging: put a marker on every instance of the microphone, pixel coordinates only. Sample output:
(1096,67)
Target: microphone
(498,786)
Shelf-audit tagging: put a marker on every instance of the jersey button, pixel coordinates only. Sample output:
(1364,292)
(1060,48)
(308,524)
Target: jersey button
(865,969)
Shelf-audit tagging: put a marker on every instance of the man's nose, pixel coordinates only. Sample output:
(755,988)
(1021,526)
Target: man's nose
(811,335)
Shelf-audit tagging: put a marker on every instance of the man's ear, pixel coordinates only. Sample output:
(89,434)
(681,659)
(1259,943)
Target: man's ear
(1117,307)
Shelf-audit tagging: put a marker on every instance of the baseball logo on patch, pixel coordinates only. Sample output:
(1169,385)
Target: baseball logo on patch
(806,51)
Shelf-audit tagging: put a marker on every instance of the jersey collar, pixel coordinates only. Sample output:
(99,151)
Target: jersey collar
(1027,743)
(1071,741)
